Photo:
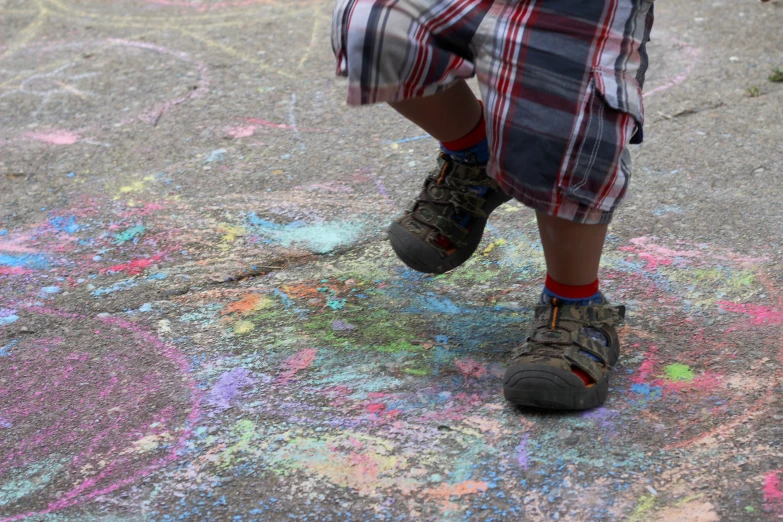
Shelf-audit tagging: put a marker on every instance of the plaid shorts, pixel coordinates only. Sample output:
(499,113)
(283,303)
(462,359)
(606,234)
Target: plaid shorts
(561,82)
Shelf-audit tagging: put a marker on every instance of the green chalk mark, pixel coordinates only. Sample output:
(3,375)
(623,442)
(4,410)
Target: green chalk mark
(645,504)
(129,234)
(336,304)
(678,372)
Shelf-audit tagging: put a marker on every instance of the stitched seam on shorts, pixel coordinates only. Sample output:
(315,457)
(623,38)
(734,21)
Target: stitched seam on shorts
(595,148)
(591,95)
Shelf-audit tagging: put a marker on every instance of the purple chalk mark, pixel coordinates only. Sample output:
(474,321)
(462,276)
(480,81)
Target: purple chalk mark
(341,326)
(92,487)
(522,452)
(383,192)
(603,416)
(228,387)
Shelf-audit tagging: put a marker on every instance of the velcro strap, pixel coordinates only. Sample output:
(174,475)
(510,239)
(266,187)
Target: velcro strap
(584,363)
(453,231)
(590,345)
(471,203)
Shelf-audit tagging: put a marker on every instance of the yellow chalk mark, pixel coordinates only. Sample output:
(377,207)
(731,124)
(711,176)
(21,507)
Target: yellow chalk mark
(49,67)
(28,33)
(645,504)
(148,443)
(168,22)
(492,246)
(247,432)
(230,234)
(165,21)
(243,327)
(317,23)
(71,89)
(232,52)
(17,12)
(136,186)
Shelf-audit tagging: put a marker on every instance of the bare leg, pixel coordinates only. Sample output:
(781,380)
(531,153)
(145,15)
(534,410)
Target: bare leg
(446,116)
(572,250)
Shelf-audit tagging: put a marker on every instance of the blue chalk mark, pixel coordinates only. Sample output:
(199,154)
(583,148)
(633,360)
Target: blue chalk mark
(122,285)
(5,350)
(8,319)
(318,237)
(217,155)
(415,138)
(38,261)
(646,390)
(65,224)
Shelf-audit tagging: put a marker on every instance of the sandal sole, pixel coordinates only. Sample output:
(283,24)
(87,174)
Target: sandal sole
(539,386)
(422,257)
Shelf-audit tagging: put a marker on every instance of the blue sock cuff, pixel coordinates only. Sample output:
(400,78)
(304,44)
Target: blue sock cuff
(478,153)
(598,298)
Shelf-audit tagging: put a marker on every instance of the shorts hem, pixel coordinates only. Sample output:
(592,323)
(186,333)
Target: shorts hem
(568,209)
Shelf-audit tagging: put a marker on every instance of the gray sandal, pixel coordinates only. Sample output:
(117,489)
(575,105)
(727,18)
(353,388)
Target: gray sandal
(442,228)
(564,363)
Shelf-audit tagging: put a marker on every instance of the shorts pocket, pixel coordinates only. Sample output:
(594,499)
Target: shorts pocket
(593,172)
(621,91)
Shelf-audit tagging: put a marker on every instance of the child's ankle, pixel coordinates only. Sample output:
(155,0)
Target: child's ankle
(471,148)
(569,294)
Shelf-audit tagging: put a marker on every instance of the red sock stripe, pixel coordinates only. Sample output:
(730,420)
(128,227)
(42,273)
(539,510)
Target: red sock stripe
(471,139)
(571,292)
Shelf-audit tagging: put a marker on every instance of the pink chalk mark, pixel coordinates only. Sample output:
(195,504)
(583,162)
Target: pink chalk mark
(15,245)
(758,314)
(90,488)
(135,267)
(297,362)
(471,368)
(773,495)
(56,137)
(693,57)
(376,407)
(646,368)
(14,270)
(654,262)
(242,132)
(153,115)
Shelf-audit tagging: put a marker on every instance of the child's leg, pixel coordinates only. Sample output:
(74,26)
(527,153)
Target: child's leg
(416,55)
(572,250)
(561,83)
(446,116)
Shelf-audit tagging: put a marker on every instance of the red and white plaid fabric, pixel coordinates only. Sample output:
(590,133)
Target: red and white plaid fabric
(561,83)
